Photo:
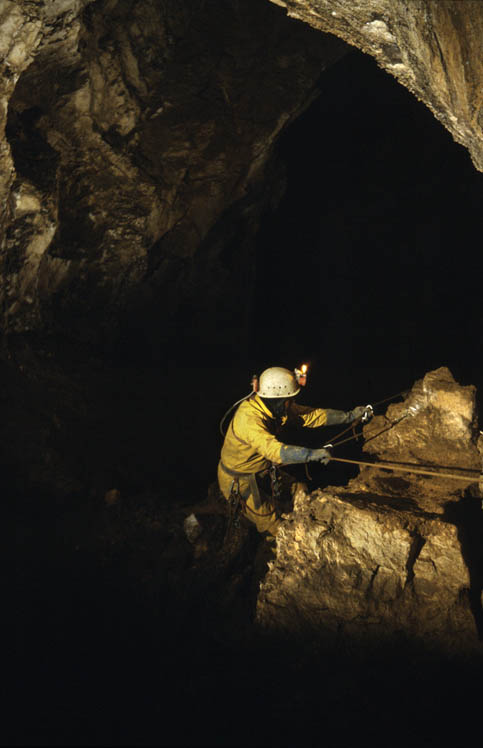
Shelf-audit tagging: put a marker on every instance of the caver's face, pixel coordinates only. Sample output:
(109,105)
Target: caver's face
(278,407)
(288,404)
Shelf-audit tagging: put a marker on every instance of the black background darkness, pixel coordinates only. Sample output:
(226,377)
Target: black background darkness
(370,270)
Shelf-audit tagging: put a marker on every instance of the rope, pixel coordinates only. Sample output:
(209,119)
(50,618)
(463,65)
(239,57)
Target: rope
(403,393)
(335,442)
(379,466)
(351,426)
(401,469)
(356,435)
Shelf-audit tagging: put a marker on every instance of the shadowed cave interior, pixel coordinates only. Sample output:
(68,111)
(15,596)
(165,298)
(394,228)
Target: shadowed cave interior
(369,270)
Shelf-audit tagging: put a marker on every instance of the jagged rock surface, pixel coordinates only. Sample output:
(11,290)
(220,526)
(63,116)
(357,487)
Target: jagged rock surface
(376,559)
(432,48)
(132,129)
(434,429)
(136,141)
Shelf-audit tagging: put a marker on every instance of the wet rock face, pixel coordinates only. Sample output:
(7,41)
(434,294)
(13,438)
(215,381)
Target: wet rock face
(132,128)
(379,560)
(432,48)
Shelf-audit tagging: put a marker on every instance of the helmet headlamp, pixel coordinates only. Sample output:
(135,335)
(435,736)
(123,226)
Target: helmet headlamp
(301,375)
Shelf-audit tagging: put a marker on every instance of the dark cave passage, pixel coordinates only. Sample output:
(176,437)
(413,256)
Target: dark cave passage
(369,268)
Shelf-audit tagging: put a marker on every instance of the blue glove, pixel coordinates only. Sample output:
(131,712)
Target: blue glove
(341,416)
(334,417)
(291,455)
(319,455)
(363,412)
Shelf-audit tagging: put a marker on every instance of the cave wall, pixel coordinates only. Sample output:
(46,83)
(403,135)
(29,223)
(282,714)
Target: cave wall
(137,145)
(132,129)
(432,48)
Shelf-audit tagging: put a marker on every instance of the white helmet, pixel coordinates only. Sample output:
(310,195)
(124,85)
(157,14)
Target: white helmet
(278,382)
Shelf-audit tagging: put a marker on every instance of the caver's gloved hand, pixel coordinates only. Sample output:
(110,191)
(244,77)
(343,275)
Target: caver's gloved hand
(291,455)
(341,416)
(320,455)
(362,411)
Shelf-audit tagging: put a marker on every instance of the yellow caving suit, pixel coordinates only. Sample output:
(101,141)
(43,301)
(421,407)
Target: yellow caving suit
(250,447)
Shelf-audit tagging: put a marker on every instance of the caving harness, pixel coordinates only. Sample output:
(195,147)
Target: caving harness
(238,503)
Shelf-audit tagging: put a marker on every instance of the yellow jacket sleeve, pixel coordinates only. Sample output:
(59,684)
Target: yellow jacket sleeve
(310,417)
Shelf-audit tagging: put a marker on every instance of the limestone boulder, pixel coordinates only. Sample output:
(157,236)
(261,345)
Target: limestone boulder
(435,429)
(355,566)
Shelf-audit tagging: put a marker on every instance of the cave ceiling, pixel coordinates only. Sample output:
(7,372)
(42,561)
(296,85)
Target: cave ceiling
(137,146)
(432,48)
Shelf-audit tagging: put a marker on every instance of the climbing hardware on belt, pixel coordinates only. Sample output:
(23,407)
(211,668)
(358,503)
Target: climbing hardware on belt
(237,504)
(234,502)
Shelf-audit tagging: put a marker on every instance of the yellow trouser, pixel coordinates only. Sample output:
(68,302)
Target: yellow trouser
(264,517)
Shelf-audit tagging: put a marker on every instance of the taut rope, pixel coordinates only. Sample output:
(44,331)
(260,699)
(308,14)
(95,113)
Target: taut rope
(419,471)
